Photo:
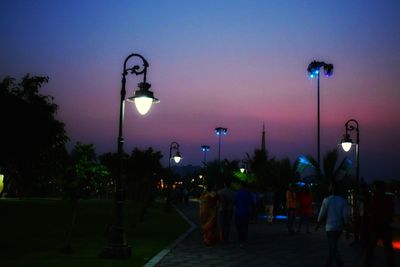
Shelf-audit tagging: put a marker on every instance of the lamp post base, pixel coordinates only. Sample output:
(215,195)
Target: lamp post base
(120,252)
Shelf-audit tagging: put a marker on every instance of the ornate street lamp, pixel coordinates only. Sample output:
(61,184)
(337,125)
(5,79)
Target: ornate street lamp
(205,149)
(314,69)
(177,155)
(220,131)
(346,143)
(117,247)
(174,146)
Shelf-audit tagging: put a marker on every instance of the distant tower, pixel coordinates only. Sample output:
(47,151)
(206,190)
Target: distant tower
(263,145)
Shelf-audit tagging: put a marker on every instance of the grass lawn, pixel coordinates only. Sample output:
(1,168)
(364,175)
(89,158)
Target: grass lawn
(32,232)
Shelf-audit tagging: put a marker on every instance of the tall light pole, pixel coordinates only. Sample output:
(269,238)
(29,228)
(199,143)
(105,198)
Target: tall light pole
(352,125)
(205,149)
(117,247)
(219,131)
(314,70)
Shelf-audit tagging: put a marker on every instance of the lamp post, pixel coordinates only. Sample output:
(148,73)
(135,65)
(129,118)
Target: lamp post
(314,69)
(346,143)
(219,131)
(177,156)
(117,247)
(205,149)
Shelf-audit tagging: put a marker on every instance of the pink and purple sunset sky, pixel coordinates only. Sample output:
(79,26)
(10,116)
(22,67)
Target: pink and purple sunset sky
(234,64)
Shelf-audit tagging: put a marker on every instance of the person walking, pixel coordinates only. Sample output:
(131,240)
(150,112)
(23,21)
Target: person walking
(364,200)
(269,197)
(334,214)
(305,208)
(243,208)
(380,217)
(226,198)
(291,205)
(208,216)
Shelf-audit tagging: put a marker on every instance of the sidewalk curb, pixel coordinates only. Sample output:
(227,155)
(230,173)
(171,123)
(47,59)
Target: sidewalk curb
(157,258)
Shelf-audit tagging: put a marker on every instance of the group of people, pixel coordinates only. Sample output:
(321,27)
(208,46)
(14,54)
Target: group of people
(372,219)
(376,219)
(299,202)
(217,210)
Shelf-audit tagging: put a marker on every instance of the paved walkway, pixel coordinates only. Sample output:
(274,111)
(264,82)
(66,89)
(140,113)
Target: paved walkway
(267,246)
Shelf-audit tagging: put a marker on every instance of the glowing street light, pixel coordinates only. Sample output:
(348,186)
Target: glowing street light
(177,155)
(117,247)
(220,131)
(346,143)
(314,69)
(174,146)
(205,149)
(244,166)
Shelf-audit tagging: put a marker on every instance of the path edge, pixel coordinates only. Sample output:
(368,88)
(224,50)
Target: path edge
(159,256)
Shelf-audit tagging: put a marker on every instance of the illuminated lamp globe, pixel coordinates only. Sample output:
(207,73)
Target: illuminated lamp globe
(143,98)
(346,143)
(242,170)
(221,130)
(177,158)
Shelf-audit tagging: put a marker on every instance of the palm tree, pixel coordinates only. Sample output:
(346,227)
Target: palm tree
(216,172)
(331,171)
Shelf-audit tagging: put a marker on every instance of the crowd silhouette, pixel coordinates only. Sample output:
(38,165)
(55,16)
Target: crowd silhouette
(373,221)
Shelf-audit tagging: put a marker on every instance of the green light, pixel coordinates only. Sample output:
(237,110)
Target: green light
(1,183)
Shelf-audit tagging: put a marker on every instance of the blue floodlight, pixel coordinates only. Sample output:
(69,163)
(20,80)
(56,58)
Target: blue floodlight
(220,130)
(205,148)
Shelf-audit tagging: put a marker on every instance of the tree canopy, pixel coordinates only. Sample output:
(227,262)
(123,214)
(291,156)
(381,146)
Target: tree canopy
(32,140)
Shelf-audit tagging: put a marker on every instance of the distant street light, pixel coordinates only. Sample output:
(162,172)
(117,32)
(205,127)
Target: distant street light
(346,143)
(117,247)
(205,149)
(177,155)
(174,146)
(314,71)
(219,131)
(244,167)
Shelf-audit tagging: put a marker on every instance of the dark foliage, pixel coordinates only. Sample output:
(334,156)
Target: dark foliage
(32,140)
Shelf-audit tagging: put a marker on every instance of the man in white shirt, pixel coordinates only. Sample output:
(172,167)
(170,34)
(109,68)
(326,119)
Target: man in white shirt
(334,213)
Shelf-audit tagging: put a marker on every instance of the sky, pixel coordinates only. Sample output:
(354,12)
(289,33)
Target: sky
(232,64)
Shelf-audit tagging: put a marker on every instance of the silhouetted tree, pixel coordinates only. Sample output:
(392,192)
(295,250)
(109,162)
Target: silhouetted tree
(85,177)
(143,168)
(216,172)
(262,167)
(332,170)
(32,140)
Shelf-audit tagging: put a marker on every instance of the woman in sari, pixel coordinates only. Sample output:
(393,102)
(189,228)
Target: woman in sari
(208,217)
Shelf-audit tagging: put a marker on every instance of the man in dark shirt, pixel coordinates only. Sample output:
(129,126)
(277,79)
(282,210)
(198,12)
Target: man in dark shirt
(380,215)
(226,200)
(243,207)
